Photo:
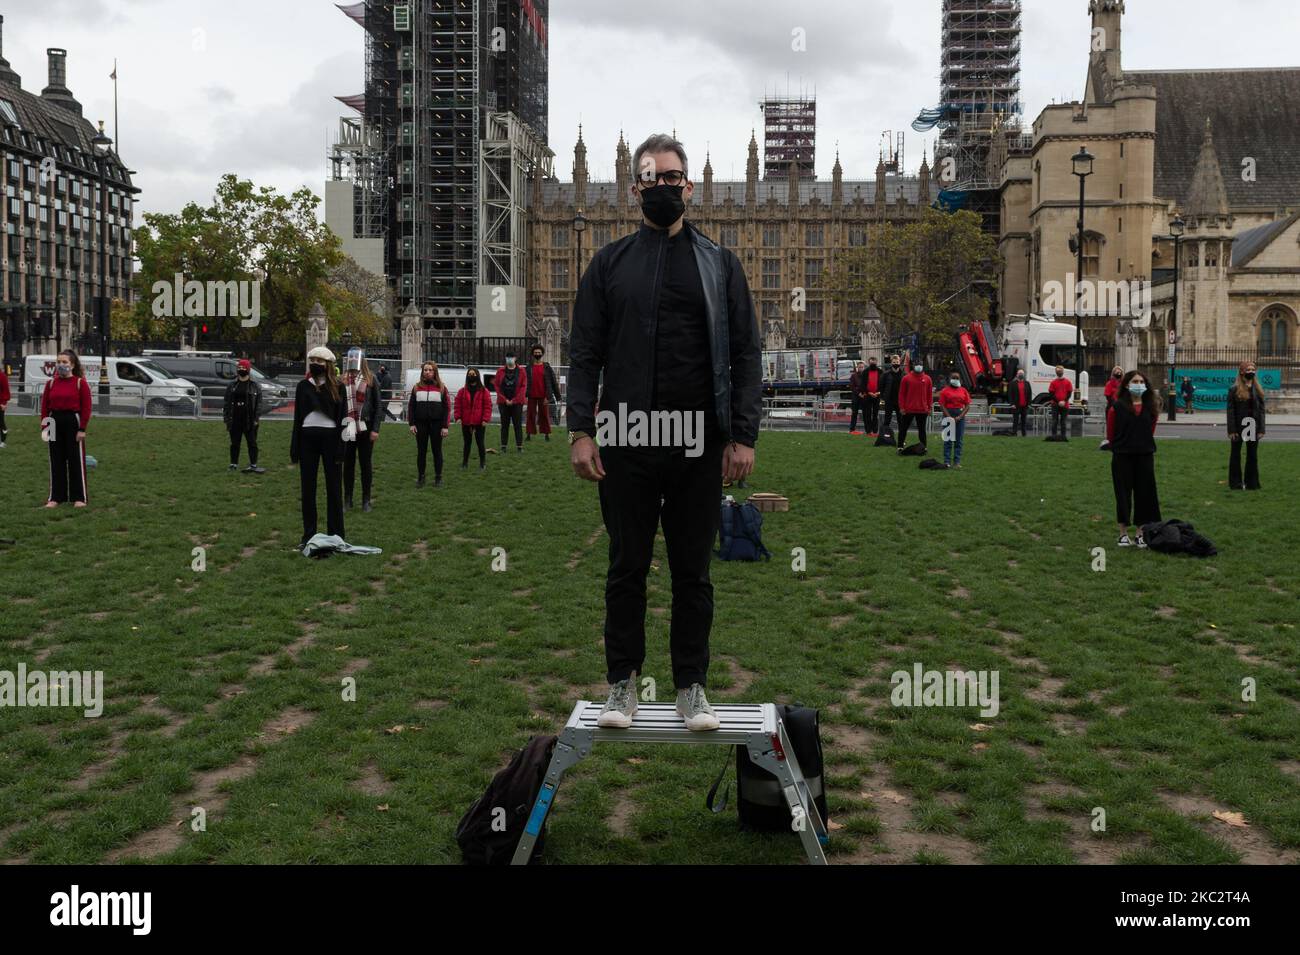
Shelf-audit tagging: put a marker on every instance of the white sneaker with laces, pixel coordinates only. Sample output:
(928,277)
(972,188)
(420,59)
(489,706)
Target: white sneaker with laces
(1142,542)
(621,705)
(1124,541)
(693,707)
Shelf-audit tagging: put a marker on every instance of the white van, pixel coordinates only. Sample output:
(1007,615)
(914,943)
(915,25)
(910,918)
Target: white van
(1040,344)
(134,383)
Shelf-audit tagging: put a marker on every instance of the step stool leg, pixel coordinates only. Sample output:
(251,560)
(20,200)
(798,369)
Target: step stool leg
(569,750)
(797,795)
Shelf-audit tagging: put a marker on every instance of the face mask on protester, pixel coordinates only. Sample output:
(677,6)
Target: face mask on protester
(65,371)
(537,356)
(1137,389)
(663,205)
(1249,375)
(472,381)
(1020,376)
(510,361)
(1118,374)
(318,372)
(1060,374)
(955,382)
(917,368)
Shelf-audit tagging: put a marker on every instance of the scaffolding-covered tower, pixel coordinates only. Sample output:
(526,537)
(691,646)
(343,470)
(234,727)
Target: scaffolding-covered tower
(455,99)
(789,136)
(979,94)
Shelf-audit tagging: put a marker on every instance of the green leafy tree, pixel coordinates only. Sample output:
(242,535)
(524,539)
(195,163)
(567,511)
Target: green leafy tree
(251,233)
(928,276)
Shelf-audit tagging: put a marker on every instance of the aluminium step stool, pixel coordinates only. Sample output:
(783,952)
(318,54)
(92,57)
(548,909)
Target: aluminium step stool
(752,725)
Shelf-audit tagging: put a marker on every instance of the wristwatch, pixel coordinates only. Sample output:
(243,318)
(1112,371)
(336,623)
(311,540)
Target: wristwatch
(575,435)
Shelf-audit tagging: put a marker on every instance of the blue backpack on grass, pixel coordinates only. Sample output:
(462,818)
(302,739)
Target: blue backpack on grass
(740,533)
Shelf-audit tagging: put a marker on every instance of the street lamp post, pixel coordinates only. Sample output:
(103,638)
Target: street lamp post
(103,145)
(579,226)
(29,256)
(1176,228)
(1082,162)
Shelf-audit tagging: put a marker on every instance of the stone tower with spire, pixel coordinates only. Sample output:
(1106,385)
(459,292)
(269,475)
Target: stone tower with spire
(580,172)
(751,173)
(1206,249)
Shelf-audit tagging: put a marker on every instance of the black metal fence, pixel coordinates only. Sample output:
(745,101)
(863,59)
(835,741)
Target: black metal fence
(1154,362)
(460,350)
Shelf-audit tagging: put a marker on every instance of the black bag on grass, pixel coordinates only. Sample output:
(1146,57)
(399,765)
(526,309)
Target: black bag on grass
(759,800)
(514,789)
(1178,537)
(931,464)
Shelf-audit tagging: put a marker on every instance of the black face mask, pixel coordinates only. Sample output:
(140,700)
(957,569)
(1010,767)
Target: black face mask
(537,358)
(1249,376)
(663,205)
(318,371)
(471,382)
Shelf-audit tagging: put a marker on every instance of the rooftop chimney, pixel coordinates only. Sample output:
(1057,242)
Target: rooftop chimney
(7,75)
(57,92)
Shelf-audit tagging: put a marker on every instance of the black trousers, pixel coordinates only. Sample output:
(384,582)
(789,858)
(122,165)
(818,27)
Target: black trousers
(427,433)
(859,408)
(240,433)
(515,414)
(1020,419)
(1134,477)
(364,450)
(473,433)
(890,411)
(872,413)
(1252,466)
(642,488)
(317,447)
(67,459)
(4,430)
(905,421)
(1059,418)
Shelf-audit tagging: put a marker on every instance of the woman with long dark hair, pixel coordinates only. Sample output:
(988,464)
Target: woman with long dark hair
(429,412)
(1245,426)
(1133,466)
(319,408)
(361,421)
(474,412)
(65,414)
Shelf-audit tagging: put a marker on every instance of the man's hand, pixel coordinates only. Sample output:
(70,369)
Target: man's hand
(737,462)
(585,458)
(416,431)
(81,437)
(1234,437)
(444,432)
(374,436)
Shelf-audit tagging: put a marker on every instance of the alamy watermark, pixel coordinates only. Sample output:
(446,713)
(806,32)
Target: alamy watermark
(194,299)
(950,688)
(651,429)
(1094,296)
(80,689)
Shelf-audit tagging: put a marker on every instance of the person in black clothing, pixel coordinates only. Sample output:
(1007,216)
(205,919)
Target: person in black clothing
(543,390)
(429,412)
(1133,467)
(1021,395)
(241,411)
(858,396)
(361,422)
(871,383)
(889,382)
(319,408)
(1245,415)
(385,392)
(1189,393)
(642,318)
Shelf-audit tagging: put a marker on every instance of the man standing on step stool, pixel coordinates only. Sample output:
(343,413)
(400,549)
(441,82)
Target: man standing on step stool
(666,315)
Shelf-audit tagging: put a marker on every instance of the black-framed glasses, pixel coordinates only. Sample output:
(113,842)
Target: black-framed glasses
(669,177)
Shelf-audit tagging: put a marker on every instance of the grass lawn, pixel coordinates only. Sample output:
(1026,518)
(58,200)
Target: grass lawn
(1119,689)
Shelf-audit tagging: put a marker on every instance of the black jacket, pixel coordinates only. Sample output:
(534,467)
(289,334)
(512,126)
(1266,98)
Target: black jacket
(252,407)
(889,383)
(1239,410)
(1012,391)
(614,321)
(309,398)
(1134,433)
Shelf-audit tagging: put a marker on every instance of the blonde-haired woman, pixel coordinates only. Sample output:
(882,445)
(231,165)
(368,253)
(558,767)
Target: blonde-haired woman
(429,413)
(1245,426)
(319,408)
(361,419)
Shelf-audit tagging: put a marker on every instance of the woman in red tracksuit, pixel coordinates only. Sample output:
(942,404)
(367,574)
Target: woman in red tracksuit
(473,411)
(65,414)
(4,403)
(915,399)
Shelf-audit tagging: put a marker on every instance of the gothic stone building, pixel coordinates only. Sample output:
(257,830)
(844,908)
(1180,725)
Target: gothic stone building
(1219,147)
(787,234)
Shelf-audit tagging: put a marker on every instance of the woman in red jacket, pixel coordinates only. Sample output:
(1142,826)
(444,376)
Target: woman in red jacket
(473,411)
(65,414)
(4,403)
(915,399)
(1111,390)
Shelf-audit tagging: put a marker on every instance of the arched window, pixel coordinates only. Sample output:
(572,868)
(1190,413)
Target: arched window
(1275,332)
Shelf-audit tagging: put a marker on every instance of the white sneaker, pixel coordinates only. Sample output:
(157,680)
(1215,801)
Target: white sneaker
(1142,542)
(621,705)
(1124,541)
(693,707)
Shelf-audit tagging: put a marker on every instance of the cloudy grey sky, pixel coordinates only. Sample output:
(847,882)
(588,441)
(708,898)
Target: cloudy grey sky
(247,86)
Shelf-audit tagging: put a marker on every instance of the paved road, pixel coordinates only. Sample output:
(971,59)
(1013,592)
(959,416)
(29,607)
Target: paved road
(1281,428)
